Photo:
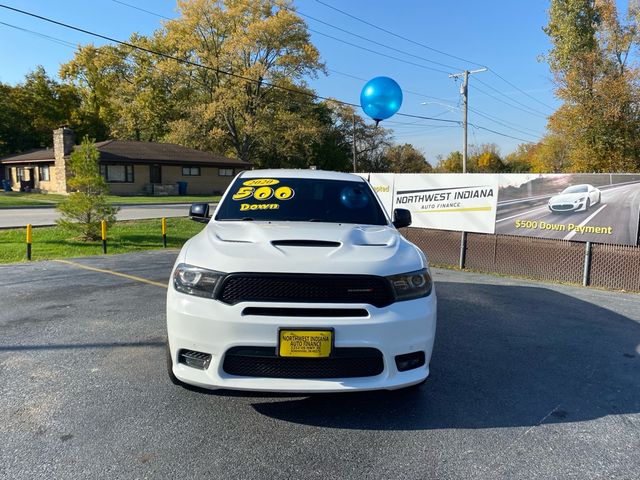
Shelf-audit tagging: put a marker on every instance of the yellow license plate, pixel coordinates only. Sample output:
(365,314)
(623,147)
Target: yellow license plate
(305,343)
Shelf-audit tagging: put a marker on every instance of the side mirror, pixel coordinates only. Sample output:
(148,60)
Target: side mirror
(401,218)
(199,212)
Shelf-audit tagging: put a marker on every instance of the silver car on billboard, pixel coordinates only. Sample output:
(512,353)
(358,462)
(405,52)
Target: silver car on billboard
(577,198)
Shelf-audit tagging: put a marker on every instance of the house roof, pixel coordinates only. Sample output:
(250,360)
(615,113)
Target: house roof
(40,155)
(130,151)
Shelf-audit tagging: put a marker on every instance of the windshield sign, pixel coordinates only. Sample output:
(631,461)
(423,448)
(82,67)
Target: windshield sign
(301,200)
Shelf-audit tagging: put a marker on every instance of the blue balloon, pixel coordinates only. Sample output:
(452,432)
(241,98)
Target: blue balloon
(381,97)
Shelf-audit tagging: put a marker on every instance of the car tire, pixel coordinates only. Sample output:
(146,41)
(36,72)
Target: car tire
(587,205)
(172,377)
(599,198)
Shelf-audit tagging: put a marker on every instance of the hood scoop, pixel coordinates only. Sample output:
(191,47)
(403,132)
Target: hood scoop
(305,243)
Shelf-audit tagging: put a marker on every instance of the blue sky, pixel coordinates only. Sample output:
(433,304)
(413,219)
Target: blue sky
(504,35)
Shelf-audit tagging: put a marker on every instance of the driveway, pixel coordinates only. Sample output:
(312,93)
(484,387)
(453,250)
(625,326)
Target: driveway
(528,381)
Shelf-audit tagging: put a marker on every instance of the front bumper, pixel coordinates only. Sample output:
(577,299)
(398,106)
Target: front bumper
(212,327)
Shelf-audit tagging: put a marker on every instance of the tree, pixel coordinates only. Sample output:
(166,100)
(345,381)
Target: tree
(451,164)
(31,110)
(591,62)
(520,160)
(485,158)
(86,206)
(406,159)
(265,41)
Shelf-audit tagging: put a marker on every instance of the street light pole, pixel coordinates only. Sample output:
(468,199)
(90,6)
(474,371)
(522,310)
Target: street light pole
(464,91)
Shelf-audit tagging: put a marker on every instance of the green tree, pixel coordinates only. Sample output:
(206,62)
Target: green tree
(85,208)
(262,40)
(406,159)
(591,60)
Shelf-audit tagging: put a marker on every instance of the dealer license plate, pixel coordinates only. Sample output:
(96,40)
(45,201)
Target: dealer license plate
(305,343)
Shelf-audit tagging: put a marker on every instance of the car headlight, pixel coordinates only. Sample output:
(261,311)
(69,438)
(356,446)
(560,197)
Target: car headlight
(195,280)
(581,199)
(408,286)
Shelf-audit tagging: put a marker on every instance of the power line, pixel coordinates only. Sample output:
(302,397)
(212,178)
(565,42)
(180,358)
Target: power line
(512,99)
(493,119)
(59,41)
(141,9)
(508,103)
(377,53)
(397,35)
(520,90)
(354,17)
(372,51)
(370,40)
(230,74)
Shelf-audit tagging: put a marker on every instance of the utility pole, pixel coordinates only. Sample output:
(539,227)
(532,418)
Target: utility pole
(354,142)
(464,91)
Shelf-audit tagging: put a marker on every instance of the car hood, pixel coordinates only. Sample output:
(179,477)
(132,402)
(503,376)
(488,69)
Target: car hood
(297,247)
(567,197)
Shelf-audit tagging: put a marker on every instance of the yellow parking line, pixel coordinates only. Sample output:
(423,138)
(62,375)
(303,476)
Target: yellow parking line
(117,274)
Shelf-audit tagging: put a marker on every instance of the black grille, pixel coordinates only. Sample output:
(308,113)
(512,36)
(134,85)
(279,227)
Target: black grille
(312,288)
(263,362)
(305,312)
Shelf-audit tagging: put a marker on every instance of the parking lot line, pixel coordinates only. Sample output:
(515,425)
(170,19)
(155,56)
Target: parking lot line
(111,272)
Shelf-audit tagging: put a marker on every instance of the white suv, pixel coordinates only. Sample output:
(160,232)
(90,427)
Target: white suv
(300,283)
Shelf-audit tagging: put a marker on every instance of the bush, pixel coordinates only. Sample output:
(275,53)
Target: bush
(87,205)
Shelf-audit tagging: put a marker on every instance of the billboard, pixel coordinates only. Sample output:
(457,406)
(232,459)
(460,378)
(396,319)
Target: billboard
(602,208)
(441,201)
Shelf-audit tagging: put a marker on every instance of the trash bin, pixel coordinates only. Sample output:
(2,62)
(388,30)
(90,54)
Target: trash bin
(6,185)
(182,188)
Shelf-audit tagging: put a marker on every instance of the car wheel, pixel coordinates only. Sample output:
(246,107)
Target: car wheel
(172,377)
(599,198)
(587,205)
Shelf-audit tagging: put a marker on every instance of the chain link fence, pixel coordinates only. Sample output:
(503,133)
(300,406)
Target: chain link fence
(611,266)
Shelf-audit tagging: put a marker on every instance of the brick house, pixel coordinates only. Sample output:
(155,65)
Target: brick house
(129,167)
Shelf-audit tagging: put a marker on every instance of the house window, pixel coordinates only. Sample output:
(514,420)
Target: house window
(20,174)
(117,173)
(190,171)
(43,173)
(225,172)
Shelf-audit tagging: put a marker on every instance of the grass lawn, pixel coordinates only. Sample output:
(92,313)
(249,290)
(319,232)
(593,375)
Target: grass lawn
(130,236)
(17,199)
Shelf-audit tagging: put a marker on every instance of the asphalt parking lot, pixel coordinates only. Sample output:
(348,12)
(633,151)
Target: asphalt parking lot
(528,380)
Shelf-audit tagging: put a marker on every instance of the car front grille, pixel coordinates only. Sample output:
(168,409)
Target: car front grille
(563,206)
(307,288)
(263,362)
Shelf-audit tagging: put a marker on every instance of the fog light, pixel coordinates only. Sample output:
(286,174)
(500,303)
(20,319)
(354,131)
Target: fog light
(194,359)
(409,361)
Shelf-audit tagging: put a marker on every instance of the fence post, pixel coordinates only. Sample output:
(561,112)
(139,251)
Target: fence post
(587,264)
(103,230)
(463,250)
(164,232)
(29,240)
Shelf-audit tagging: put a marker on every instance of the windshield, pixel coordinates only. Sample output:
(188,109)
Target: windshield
(301,200)
(576,189)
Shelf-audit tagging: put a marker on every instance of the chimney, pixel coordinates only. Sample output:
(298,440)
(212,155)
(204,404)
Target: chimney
(63,143)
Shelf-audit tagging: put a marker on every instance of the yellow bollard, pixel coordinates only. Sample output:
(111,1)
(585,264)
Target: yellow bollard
(103,228)
(164,232)
(29,240)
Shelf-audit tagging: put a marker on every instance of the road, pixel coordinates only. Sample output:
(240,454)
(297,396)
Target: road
(619,209)
(19,217)
(529,381)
